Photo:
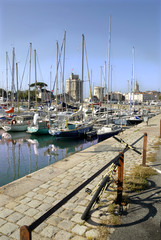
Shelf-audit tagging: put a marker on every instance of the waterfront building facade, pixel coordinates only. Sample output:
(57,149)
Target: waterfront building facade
(140,97)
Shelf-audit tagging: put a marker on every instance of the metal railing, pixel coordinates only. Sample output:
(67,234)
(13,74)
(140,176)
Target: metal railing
(25,231)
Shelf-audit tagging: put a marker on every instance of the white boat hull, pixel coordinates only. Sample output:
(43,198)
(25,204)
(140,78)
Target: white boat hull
(15,127)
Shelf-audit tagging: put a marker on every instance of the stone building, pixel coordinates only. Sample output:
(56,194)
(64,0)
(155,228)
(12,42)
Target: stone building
(136,89)
(99,92)
(74,87)
(142,96)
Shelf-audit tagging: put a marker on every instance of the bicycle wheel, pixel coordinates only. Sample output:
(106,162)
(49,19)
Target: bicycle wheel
(105,180)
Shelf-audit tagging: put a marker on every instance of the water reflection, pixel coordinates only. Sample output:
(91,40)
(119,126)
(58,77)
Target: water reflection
(22,153)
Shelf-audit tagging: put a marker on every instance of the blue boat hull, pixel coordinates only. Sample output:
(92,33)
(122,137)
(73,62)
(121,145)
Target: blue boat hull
(76,133)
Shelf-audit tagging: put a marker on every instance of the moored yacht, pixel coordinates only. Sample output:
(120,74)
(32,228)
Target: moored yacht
(17,124)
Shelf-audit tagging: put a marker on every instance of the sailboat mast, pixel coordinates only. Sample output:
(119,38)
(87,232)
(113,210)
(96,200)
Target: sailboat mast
(111,85)
(7,75)
(35,80)
(64,66)
(13,72)
(133,77)
(81,97)
(109,47)
(57,48)
(101,81)
(89,80)
(91,83)
(17,86)
(29,77)
(50,81)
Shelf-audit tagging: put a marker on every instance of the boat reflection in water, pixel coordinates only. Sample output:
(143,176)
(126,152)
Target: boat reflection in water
(22,153)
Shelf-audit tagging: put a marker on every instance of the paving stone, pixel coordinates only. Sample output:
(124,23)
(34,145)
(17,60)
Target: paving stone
(2,222)
(39,197)
(92,234)
(16,235)
(51,193)
(40,227)
(30,194)
(11,205)
(4,238)
(69,205)
(25,221)
(39,214)
(62,235)
(60,196)
(77,218)
(8,228)
(31,212)
(44,207)
(36,236)
(21,208)
(54,220)
(34,203)
(49,231)
(67,214)
(42,191)
(48,199)
(79,209)
(66,225)
(14,217)
(5,213)
(46,186)
(78,229)
(26,200)
(36,189)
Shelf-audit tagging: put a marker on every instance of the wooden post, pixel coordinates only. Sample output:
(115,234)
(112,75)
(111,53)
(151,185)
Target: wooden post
(25,233)
(160,128)
(144,149)
(120,179)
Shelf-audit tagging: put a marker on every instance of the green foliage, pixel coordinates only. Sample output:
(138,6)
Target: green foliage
(24,95)
(39,84)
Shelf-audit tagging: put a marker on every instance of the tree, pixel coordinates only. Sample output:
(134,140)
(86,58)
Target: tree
(39,84)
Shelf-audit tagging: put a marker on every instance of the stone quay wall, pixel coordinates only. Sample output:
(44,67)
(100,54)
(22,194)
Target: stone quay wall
(25,200)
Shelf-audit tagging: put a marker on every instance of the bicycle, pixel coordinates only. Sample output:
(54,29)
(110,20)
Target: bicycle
(104,184)
(107,180)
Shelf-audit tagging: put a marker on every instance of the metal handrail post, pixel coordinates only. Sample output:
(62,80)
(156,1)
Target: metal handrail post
(144,149)
(25,233)
(120,179)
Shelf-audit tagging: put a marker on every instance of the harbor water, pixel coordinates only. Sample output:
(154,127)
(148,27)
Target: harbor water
(23,153)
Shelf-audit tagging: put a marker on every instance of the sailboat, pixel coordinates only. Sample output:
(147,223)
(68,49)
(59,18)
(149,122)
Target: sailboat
(18,123)
(76,129)
(71,130)
(108,130)
(39,126)
(133,119)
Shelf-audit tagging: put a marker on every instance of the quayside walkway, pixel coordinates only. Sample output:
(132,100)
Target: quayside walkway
(26,199)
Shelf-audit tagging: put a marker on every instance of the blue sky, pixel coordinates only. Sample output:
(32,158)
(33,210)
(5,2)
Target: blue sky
(42,22)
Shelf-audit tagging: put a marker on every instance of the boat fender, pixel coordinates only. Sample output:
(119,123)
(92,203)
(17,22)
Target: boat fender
(13,122)
(48,125)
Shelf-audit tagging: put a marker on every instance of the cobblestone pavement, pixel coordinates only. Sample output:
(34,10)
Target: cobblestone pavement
(25,200)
